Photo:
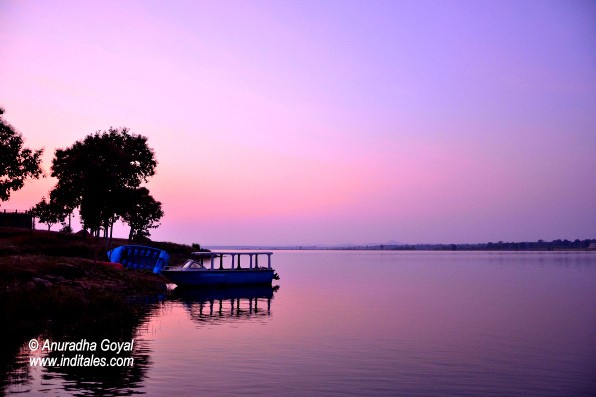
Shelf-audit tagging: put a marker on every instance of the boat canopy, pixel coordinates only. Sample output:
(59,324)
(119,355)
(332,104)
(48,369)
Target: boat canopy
(211,256)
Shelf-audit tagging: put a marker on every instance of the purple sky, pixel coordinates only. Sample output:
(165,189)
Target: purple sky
(325,121)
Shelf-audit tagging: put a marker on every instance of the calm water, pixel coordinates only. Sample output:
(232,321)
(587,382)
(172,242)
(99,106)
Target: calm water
(369,323)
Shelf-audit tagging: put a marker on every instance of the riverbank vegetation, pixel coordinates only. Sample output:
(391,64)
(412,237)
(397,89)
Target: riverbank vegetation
(59,286)
(17,162)
(540,245)
(48,275)
(100,175)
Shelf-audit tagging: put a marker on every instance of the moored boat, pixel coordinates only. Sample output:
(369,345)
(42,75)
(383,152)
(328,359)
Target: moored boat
(207,269)
(139,257)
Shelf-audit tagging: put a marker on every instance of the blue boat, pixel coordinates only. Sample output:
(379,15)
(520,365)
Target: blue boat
(201,270)
(139,257)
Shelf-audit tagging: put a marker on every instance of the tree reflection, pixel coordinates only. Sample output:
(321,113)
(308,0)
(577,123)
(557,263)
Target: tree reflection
(123,323)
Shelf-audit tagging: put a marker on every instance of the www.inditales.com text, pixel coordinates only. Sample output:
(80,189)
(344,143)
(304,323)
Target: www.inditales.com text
(81,360)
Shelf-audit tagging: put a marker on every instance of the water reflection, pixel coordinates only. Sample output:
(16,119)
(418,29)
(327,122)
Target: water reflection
(126,323)
(215,305)
(415,324)
(72,374)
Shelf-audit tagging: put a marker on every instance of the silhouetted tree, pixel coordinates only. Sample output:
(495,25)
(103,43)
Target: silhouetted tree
(49,213)
(16,162)
(142,213)
(62,197)
(94,174)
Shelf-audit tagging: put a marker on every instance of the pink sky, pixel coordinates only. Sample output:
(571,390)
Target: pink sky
(323,122)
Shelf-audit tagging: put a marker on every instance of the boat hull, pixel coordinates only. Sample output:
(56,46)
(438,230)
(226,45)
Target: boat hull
(219,277)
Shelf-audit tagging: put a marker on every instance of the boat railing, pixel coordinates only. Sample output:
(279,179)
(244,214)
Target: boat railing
(236,259)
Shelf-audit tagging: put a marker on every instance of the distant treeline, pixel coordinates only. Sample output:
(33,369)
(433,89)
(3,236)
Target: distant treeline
(539,245)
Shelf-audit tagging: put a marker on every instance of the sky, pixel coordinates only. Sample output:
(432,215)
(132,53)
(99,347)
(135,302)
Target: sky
(323,122)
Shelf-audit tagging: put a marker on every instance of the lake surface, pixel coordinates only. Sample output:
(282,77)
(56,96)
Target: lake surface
(367,323)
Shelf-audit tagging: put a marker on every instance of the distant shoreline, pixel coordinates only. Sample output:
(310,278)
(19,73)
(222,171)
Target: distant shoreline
(540,245)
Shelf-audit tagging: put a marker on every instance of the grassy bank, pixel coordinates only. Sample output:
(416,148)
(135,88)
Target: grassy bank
(54,284)
(15,241)
(66,268)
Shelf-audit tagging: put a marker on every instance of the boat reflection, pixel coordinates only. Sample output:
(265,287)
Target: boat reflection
(212,305)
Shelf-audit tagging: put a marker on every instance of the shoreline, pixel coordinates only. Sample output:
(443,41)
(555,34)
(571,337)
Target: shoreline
(539,246)
(54,286)
(51,277)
